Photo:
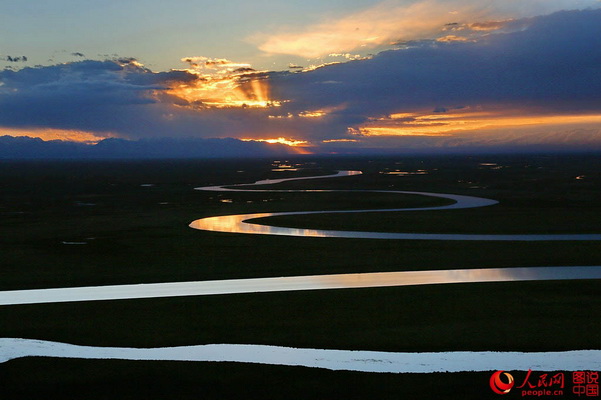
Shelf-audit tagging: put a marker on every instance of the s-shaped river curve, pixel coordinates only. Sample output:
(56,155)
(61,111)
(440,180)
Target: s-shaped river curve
(240,223)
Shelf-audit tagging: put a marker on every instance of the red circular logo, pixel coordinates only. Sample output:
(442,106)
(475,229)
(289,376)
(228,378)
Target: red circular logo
(498,386)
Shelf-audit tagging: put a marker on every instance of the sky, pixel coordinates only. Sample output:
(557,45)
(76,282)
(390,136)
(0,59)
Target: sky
(316,76)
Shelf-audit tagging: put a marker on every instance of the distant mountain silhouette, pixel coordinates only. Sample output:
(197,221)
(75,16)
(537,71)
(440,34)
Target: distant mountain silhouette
(35,148)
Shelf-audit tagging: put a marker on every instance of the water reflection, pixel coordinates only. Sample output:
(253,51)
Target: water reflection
(237,224)
(295,283)
(249,224)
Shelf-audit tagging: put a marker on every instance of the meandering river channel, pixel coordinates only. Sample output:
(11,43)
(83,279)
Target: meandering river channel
(366,361)
(240,223)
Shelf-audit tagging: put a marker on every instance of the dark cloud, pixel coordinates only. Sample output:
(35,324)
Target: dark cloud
(441,109)
(119,96)
(244,70)
(16,59)
(78,54)
(555,64)
(71,96)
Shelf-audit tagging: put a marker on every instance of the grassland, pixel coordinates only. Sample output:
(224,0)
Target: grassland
(133,218)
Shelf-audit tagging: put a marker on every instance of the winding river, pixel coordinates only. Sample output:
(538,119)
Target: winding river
(366,361)
(241,223)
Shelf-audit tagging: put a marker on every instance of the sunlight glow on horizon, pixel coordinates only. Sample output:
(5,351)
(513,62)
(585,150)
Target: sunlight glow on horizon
(297,146)
(446,124)
(280,140)
(49,134)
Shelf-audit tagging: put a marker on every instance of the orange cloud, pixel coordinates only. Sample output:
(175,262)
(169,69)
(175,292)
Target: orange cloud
(488,26)
(223,83)
(369,28)
(448,124)
(226,92)
(391,21)
(452,38)
(383,24)
(56,134)
(340,141)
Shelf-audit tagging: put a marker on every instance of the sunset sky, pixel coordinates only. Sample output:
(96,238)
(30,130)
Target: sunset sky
(318,76)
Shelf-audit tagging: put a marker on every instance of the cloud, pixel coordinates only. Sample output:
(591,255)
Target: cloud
(123,98)
(553,67)
(15,59)
(71,96)
(508,141)
(50,134)
(468,121)
(400,20)
(542,76)
(216,65)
